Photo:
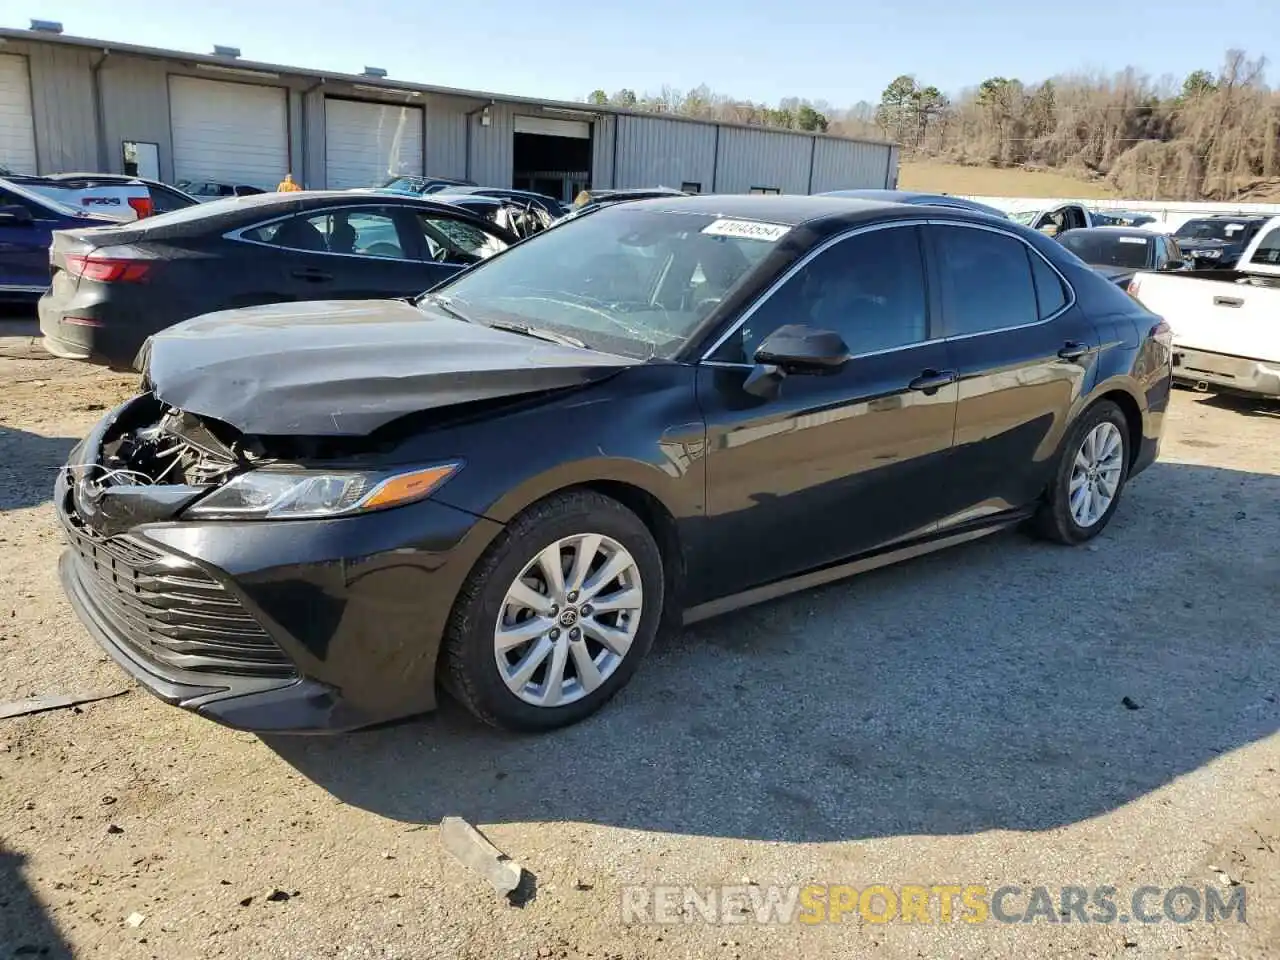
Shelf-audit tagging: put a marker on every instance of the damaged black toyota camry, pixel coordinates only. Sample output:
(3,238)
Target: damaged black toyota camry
(314,514)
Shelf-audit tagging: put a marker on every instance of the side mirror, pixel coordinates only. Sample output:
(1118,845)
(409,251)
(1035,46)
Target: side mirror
(14,215)
(794,349)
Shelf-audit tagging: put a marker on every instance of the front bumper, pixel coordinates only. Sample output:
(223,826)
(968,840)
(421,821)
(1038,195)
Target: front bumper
(1205,369)
(286,626)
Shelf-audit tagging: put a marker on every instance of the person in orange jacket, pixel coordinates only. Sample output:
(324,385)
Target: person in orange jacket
(287,185)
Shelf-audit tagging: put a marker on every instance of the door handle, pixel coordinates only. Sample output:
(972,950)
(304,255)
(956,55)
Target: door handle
(1073,350)
(312,274)
(1228,302)
(931,380)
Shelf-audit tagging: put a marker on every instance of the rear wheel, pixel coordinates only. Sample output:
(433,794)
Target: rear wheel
(1090,477)
(557,615)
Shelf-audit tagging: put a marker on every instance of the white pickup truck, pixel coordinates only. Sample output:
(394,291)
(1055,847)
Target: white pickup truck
(1226,323)
(120,198)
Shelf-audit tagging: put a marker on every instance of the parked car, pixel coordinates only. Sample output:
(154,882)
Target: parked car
(554,209)
(1216,241)
(520,219)
(1119,252)
(422,186)
(112,288)
(913,197)
(592,199)
(164,198)
(27,222)
(205,190)
(665,411)
(1225,333)
(1053,220)
(1120,218)
(120,201)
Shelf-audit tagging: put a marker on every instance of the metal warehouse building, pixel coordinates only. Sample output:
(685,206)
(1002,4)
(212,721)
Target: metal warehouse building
(70,104)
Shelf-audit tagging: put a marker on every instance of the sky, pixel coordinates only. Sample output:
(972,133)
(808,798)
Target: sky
(840,51)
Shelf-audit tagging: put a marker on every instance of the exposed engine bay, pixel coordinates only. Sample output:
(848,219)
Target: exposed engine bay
(178,448)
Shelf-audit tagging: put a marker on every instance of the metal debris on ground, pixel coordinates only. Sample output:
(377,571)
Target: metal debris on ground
(134,920)
(55,701)
(470,847)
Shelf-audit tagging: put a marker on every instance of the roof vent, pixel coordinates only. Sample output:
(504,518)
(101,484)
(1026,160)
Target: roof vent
(46,26)
(221,51)
(377,72)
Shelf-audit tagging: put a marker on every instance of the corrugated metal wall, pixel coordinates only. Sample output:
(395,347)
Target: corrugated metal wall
(763,158)
(63,106)
(848,165)
(653,151)
(649,151)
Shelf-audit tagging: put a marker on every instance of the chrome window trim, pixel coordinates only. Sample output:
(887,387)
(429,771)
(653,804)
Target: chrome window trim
(830,242)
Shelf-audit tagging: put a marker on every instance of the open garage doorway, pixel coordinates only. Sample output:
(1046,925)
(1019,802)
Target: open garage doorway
(552,156)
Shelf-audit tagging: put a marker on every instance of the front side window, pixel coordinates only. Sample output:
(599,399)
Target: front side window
(630,281)
(986,280)
(452,241)
(868,288)
(362,233)
(1268,251)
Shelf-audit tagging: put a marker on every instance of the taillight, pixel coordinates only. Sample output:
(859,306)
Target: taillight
(108,269)
(142,206)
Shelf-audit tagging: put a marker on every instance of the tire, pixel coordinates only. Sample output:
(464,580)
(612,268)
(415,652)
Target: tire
(1055,520)
(476,673)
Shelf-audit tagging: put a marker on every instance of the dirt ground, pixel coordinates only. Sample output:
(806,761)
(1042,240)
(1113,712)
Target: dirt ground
(1007,712)
(997,182)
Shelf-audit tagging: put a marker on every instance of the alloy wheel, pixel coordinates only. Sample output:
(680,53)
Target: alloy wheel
(568,620)
(1095,474)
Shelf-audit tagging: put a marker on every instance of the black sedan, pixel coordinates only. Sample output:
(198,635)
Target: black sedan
(915,197)
(671,409)
(1216,242)
(112,287)
(1119,252)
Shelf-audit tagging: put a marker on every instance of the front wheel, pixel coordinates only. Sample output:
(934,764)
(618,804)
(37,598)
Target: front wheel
(1090,477)
(557,615)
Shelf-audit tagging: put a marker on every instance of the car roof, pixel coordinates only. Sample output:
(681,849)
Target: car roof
(787,209)
(1117,230)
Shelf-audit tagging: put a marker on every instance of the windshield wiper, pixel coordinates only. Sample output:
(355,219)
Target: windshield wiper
(523,328)
(446,304)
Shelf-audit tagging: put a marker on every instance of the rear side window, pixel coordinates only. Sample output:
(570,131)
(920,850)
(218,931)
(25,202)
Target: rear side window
(986,281)
(1268,251)
(1051,295)
(362,233)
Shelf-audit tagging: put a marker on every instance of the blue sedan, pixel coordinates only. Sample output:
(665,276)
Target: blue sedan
(27,222)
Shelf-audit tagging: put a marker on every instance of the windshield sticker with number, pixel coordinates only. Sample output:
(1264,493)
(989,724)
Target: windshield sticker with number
(747,230)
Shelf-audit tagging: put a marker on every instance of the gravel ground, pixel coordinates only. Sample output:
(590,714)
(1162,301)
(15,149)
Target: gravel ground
(957,719)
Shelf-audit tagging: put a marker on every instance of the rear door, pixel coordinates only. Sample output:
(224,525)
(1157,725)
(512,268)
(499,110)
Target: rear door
(1024,354)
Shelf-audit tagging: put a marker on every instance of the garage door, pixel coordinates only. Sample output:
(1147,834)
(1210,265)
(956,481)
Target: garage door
(365,143)
(17,132)
(549,127)
(229,132)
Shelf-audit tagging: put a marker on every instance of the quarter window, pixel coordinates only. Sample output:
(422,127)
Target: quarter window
(1051,296)
(986,281)
(869,289)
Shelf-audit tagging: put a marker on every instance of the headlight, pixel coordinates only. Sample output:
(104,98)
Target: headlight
(282,494)
(1209,254)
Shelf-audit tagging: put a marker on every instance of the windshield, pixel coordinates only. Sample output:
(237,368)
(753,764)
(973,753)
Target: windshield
(628,281)
(1108,250)
(1227,230)
(1024,216)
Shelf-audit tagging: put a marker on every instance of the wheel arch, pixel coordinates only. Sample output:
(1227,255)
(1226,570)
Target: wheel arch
(1127,397)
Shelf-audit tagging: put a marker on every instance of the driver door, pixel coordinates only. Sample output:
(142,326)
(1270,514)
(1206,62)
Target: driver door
(838,464)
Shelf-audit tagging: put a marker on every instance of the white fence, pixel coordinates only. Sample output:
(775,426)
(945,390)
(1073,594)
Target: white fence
(1170,213)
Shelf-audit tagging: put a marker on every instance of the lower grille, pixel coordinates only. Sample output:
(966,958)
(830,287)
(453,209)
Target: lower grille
(169,611)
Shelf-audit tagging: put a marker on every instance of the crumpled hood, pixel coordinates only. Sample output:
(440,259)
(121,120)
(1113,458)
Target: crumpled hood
(346,367)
